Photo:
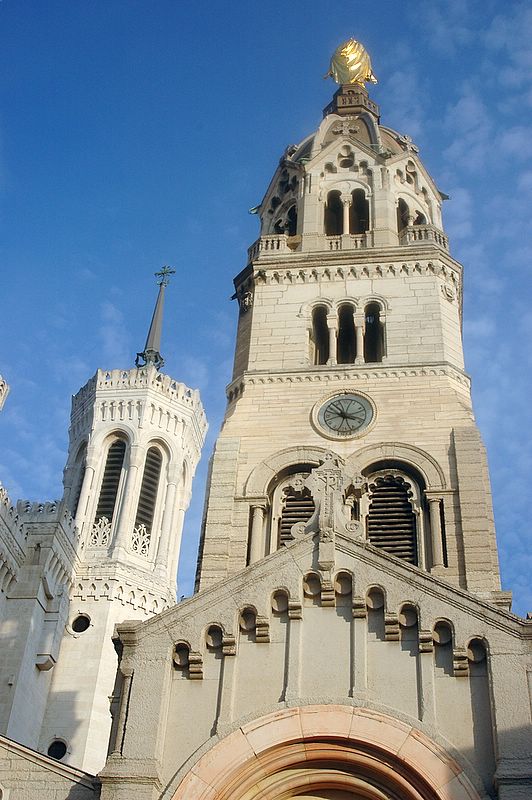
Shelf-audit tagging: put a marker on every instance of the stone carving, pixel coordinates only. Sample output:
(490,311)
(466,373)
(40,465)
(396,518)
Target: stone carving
(328,484)
(140,540)
(448,292)
(408,144)
(245,302)
(100,533)
(345,127)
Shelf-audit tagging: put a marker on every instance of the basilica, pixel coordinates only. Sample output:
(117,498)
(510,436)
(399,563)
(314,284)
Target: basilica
(348,638)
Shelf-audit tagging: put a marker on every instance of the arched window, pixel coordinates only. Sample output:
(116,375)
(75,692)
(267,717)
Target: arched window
(77,480)
(142,531)
(403,213)
(291,221)
(291,503)
(373,334)
(391,520)
(334,214)
(346,345)
(106,507)
(359,212)
(319,344)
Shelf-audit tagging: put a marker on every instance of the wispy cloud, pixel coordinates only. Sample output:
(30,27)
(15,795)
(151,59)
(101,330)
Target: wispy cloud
(113,335)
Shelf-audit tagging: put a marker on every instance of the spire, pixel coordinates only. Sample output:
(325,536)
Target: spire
(151,353)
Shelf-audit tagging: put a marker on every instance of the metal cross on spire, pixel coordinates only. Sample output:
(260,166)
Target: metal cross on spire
(151,353)
(163,275)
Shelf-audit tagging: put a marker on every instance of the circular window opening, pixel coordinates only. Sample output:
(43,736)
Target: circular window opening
(80,624)
(57,749)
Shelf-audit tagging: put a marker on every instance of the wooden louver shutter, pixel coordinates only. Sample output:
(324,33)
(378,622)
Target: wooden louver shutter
(148,489)
(111,479)
(391,523)
(297,507)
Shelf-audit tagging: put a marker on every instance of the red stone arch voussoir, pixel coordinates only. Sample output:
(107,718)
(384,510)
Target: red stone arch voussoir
(298,750)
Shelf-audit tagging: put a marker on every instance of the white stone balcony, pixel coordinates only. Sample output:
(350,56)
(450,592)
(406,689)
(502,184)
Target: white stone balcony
(419,234)
(270,245)
(280,244)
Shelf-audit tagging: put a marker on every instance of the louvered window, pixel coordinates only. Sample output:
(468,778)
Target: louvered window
(140,542)
(111,480)
(391,522)
(297,506)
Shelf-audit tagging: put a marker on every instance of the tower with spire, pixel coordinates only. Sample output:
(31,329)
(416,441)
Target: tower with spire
(135,440)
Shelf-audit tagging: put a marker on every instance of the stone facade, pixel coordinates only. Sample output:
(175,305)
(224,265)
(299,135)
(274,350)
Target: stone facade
(349,638)
(25,775)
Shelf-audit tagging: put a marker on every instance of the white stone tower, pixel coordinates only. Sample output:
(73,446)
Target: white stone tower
(349,340)
(135,440)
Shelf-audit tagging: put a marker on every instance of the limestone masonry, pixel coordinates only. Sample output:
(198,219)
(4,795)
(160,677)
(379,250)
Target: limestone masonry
(349,637)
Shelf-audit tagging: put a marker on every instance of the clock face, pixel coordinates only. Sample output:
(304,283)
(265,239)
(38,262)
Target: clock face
(345,415)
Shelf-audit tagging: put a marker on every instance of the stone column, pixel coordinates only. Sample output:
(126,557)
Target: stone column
(256,550)
(359,338)
(436,531)
(333,333)
(86,486)
(173,559)
(166,525)
(347,207)
(125,513)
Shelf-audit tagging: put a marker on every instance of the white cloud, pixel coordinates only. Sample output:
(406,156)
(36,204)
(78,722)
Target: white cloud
(113,336)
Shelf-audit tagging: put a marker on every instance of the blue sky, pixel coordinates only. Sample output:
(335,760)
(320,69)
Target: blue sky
(134,134)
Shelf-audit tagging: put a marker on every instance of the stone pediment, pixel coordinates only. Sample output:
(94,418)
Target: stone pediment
(288,570)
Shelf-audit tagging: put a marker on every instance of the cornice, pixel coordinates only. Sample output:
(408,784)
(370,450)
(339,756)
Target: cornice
(400,257)
(353,373)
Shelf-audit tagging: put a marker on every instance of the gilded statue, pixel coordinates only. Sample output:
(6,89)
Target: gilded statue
(351,64)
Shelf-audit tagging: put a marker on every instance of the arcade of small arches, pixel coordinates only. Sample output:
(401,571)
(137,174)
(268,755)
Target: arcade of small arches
(393,509)
(347,334)
(402,623)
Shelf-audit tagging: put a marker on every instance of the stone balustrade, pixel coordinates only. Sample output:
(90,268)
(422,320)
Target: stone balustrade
(419,234)
(268,244)
(280,244)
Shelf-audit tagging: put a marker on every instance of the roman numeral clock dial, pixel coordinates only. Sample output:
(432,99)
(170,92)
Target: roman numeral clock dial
(344,415)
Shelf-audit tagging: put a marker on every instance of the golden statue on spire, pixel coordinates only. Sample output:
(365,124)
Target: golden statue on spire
(351,64)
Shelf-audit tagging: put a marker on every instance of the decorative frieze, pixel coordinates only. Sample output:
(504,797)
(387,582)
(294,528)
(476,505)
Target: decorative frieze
(352,373)
(279,274)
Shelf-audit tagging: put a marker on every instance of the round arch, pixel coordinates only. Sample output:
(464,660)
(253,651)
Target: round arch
(408,454)
(321,750)
(262,475)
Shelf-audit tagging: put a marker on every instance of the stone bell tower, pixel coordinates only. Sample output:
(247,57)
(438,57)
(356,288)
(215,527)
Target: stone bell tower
(349,341)
(135,440)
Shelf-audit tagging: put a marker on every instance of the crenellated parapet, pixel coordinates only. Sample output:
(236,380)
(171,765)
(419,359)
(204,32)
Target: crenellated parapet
(137,397)
(12,540)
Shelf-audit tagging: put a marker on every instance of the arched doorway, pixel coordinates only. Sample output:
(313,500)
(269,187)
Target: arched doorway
(324,752)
